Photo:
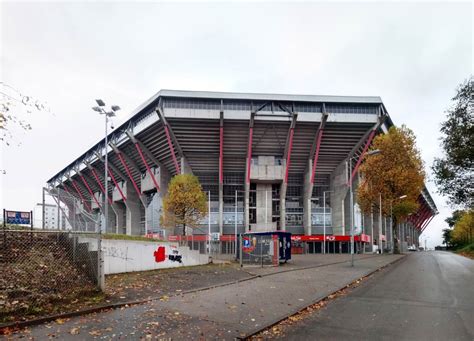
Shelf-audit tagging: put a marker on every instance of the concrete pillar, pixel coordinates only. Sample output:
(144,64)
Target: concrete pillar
(119,211)
(185,167)
(340,197)
(264,207)
(110,219)
(133,211)
(283,188)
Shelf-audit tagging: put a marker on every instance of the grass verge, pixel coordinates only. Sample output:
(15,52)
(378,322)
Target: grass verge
(467,251)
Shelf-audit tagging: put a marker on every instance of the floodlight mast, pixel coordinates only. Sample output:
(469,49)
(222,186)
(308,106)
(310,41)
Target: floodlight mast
(100,109)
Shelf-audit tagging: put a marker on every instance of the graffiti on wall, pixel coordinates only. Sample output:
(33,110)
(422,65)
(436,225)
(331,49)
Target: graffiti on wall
(160,255)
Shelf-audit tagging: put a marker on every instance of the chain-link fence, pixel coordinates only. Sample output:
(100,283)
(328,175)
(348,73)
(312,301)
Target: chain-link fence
(40,268)
(259,250)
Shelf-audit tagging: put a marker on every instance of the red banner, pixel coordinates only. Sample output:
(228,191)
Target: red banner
(303,238)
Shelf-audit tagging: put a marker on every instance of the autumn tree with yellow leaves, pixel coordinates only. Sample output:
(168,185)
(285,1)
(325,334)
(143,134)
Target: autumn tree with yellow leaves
(185,203)
(463,232)
(397,171)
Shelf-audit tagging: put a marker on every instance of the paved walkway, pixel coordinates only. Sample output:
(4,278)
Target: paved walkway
(223,312)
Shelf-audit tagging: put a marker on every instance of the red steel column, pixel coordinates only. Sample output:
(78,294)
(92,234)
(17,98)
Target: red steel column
(147,167)
(129,174)
(116,184)
(80,195)
(100,185)
(89,190)
(316,154)
(367,144)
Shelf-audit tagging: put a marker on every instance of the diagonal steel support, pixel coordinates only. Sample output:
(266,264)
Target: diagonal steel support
(170,136)
(427,223)
(376,127)
(147,167)
(289,145)
(89,189)
(129,173)
(97,180)
(421,213)
(317,143)
(80,194)
(117,185)
(423,218)
(111,166)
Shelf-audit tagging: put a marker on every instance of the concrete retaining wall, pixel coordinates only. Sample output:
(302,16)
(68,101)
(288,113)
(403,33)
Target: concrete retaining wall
(129,255)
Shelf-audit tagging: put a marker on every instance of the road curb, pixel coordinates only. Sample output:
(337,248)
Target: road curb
(317,300)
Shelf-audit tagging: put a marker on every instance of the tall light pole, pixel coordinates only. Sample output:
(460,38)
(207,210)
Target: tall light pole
(101,110)
(324,220)
(373,152)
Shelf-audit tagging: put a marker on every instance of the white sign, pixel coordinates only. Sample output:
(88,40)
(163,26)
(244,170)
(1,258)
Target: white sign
(215,236)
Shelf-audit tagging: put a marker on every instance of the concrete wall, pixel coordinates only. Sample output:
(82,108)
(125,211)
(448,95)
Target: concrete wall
(266,170)
(128,255)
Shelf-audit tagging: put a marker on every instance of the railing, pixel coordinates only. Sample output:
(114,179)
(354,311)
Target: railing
(318,218)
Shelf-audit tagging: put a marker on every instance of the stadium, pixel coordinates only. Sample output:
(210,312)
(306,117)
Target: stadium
(270,162)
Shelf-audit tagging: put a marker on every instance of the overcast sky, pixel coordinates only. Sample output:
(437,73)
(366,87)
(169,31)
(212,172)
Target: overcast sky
(68,54)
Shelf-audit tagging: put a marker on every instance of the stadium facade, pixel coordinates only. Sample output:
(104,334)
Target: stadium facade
(269,161)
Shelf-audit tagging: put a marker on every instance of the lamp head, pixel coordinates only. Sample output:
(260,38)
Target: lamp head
(115,108)
(100,102)
(373,152)
(97,109)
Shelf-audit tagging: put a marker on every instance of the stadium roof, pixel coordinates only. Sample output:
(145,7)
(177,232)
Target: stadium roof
(151,104)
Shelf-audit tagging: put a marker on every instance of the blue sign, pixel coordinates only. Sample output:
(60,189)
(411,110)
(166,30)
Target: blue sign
(18,218)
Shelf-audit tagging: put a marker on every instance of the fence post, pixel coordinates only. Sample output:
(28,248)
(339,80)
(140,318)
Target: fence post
(261,251)
(240,248)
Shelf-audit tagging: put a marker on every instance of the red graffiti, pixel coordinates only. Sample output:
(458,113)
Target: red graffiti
(160,254)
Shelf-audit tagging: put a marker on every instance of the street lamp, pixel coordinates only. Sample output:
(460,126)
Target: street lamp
(324,220)
(101,110)
(372,152)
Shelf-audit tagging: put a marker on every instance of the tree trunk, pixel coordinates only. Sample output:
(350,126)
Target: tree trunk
(184,229)
(396,245)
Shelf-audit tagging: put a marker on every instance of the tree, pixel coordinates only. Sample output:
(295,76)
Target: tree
(456,215)
(463,232)
(397,171)
(453,173)
(185,204)
(15,108)
(447,237)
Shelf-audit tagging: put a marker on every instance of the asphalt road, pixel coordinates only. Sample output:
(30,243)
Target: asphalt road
(426,296)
